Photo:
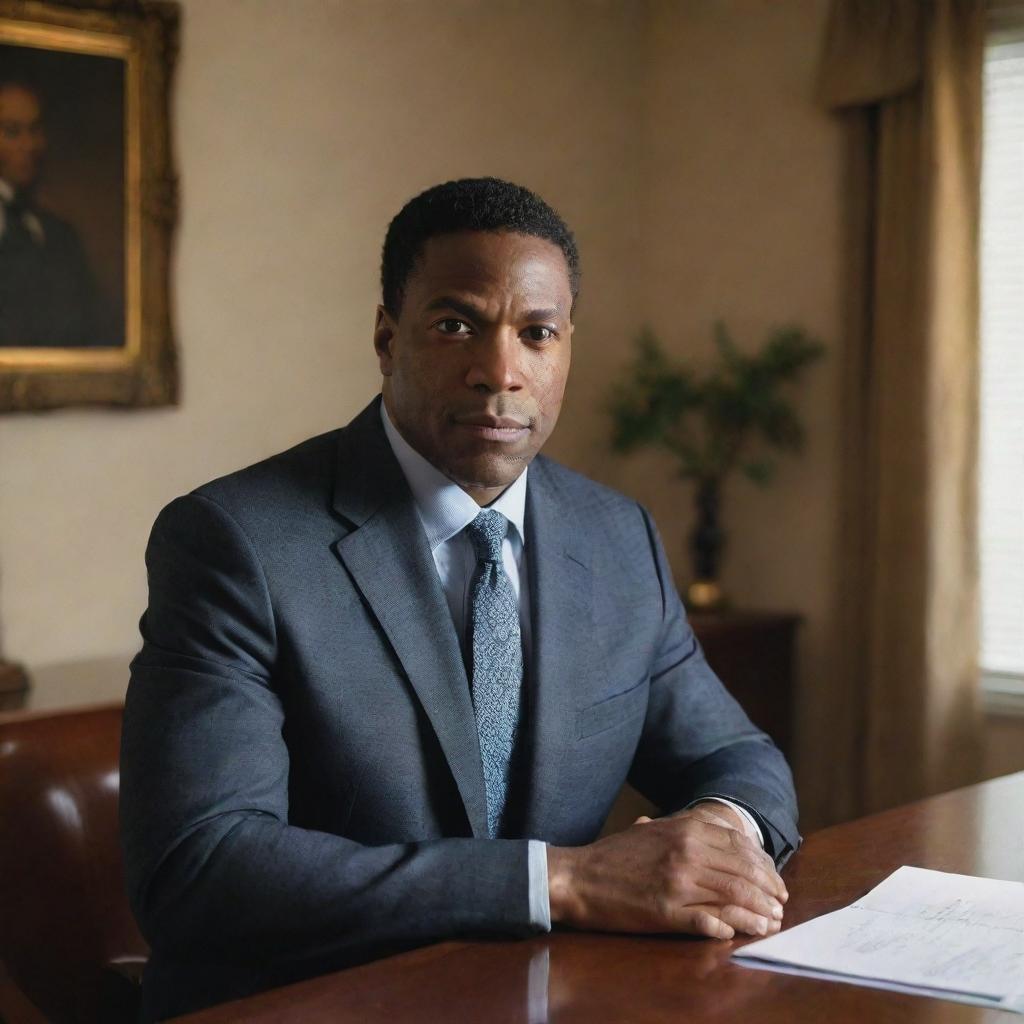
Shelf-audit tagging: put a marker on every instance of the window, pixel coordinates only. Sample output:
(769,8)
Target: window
(1001,470)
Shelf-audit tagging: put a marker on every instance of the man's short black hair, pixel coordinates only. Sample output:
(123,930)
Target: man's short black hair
(18,71)
(469,204)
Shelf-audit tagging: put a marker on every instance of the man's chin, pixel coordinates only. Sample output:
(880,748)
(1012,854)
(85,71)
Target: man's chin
(488,472)
(22,178)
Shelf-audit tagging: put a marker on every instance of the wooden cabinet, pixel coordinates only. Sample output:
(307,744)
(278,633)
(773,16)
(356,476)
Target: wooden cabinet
(754,654)
(78,684)
(13,686)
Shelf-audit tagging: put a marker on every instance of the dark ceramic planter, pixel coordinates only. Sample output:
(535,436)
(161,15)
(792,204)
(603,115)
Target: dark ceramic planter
(707,542)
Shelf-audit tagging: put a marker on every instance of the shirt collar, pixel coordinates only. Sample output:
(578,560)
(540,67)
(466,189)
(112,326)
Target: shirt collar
(443,506)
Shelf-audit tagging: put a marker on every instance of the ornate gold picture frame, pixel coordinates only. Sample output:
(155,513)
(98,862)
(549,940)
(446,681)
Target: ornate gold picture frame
(88,198)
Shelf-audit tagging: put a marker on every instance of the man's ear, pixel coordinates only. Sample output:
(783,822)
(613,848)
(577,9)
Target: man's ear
(384,331)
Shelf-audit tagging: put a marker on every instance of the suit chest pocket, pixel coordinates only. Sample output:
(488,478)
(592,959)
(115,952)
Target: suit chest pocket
(619,709)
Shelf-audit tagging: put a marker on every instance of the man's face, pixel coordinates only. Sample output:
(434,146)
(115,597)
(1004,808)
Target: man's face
(22,139)
(475,365)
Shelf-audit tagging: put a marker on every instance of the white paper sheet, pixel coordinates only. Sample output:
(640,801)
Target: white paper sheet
(928,932)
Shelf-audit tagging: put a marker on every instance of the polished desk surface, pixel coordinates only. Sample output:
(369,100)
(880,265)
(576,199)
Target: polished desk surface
(571,977)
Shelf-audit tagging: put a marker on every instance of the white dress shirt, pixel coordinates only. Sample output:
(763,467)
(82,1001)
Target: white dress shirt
(28,218)
(445,510)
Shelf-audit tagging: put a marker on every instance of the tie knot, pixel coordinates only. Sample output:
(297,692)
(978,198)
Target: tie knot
(486,533)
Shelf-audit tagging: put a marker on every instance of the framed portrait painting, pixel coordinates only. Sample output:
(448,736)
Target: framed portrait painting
(88,205)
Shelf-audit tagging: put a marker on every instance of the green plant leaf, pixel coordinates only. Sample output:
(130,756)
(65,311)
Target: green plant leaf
(708,422)
(647,406)
(761,472)
(787,351)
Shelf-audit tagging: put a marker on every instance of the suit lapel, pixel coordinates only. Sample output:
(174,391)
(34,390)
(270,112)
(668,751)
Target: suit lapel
(389,559)
(561,599)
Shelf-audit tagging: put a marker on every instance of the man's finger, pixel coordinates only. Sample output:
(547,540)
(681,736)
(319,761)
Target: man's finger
(746,921)
(745,863)
(704,920)
(766,863)
(726,837)
(739,855)
(736,890)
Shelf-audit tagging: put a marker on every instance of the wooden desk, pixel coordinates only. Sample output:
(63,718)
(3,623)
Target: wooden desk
(573,978)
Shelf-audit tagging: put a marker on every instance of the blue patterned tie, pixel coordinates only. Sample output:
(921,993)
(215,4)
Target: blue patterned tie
(497,659)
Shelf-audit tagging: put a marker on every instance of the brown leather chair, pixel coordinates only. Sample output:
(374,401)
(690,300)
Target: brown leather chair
(67,937)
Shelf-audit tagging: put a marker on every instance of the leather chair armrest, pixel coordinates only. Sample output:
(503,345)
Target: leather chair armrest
(15,1007)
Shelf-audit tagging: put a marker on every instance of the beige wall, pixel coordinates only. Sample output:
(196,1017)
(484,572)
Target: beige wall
(743,215)
(678,138)
(1004,750)
(300,129)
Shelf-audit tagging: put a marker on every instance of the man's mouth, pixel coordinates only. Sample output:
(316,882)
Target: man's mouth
(494,428)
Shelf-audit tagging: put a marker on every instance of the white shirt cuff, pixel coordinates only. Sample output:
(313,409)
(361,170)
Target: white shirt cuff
(540,901)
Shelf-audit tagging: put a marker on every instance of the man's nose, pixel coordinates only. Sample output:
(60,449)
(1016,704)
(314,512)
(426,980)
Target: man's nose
(494,365)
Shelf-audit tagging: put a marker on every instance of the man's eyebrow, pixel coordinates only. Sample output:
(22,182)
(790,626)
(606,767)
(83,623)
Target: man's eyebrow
(469,310)
(447,302)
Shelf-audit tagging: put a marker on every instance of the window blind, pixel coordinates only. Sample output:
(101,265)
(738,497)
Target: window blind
(1001,469)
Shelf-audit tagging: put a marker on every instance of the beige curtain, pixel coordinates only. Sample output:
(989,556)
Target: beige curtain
(905,75)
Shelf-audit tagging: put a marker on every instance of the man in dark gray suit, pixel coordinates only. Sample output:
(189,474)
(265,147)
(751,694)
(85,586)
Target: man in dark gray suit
(393,679)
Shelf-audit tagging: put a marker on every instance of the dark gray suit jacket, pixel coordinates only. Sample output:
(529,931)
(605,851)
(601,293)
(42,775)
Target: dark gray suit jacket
(301,777)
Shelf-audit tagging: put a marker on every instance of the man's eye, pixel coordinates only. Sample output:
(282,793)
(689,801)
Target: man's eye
(453,326)
(539,333)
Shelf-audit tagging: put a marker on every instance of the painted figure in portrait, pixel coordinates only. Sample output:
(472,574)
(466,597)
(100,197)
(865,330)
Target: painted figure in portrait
(61,199)
(88,204)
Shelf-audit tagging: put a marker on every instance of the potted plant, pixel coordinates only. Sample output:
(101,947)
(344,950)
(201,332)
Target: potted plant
(724,420)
